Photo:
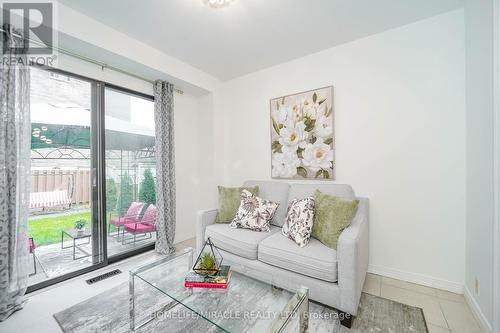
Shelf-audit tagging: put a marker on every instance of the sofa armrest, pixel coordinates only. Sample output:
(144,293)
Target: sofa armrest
(352,258)
(204,218)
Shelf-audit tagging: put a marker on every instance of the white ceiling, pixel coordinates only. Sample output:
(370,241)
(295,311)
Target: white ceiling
(253,34)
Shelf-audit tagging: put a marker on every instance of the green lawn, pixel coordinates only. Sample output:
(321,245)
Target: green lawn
(47,230)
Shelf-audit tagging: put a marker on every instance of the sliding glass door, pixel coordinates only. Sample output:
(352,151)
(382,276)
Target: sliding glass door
(61,208)
(130,170)
(92,175)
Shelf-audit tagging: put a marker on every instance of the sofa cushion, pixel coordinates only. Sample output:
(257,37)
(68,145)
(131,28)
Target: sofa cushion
(138,228)
(332,216)
(315,260)
(299,221)
(300,191)
(254,213)
(229,201)
(242,242)
(274,191)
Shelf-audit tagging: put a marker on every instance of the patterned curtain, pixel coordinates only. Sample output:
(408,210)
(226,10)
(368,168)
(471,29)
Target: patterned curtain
(15,135)
(165,172)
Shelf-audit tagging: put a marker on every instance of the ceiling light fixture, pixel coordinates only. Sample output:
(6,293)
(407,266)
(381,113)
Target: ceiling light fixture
(218,3)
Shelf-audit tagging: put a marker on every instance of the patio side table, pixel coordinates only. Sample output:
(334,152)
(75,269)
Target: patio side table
(75,235)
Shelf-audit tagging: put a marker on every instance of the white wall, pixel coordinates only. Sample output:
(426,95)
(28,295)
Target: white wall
(400,138)
(188,155)
(479,116)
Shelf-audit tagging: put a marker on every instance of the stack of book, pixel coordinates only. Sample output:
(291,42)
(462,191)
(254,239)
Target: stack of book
(221,280)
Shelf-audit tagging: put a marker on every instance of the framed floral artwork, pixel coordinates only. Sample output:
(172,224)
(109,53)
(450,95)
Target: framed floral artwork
(302,137)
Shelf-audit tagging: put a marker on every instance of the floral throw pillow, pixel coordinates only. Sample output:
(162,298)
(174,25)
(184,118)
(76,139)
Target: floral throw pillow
(254,213)
(299,221)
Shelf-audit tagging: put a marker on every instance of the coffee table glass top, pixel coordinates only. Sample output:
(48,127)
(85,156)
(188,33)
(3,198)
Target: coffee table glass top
(76,234)
(247,305)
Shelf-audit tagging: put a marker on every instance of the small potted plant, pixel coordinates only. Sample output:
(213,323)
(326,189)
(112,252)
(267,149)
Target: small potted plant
(209,260)
(207,264)
(80,226)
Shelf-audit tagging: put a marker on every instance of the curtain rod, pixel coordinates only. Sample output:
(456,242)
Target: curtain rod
(87,59)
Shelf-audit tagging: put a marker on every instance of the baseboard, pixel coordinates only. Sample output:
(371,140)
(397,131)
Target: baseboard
(421,279)
(476,311)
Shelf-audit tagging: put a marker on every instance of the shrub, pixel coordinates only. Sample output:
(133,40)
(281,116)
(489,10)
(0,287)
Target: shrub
(111,195)
(126,192)
(147,191)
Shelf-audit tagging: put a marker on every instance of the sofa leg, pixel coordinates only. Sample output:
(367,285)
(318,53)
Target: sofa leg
(345,319)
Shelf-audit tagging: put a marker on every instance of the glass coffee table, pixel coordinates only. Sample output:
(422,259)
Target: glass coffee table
(158,298)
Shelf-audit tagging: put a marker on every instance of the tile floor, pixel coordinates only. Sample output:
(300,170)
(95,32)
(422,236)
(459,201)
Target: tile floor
(445,312)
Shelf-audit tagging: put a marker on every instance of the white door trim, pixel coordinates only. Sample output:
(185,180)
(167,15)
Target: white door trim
(496,157)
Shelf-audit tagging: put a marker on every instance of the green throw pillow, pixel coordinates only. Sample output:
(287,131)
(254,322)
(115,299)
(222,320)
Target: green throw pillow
(229,202)
(331,216)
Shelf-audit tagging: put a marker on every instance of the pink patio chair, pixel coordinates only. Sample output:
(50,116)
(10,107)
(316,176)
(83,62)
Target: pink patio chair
(147,225)
(131,216)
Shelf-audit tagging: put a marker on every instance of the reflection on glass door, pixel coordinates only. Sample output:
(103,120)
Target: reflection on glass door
(130,171)
(61,210)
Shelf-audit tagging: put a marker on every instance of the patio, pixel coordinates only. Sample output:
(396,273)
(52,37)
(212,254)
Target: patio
(52,261)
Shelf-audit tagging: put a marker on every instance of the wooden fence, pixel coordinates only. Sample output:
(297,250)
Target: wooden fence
(76,182)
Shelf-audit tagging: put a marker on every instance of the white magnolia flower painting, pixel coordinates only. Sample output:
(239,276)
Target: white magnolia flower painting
(302,135)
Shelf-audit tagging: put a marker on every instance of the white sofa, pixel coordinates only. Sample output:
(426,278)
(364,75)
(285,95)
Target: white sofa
(334,277)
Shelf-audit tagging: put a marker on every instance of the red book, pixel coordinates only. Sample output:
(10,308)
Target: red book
(188,284)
